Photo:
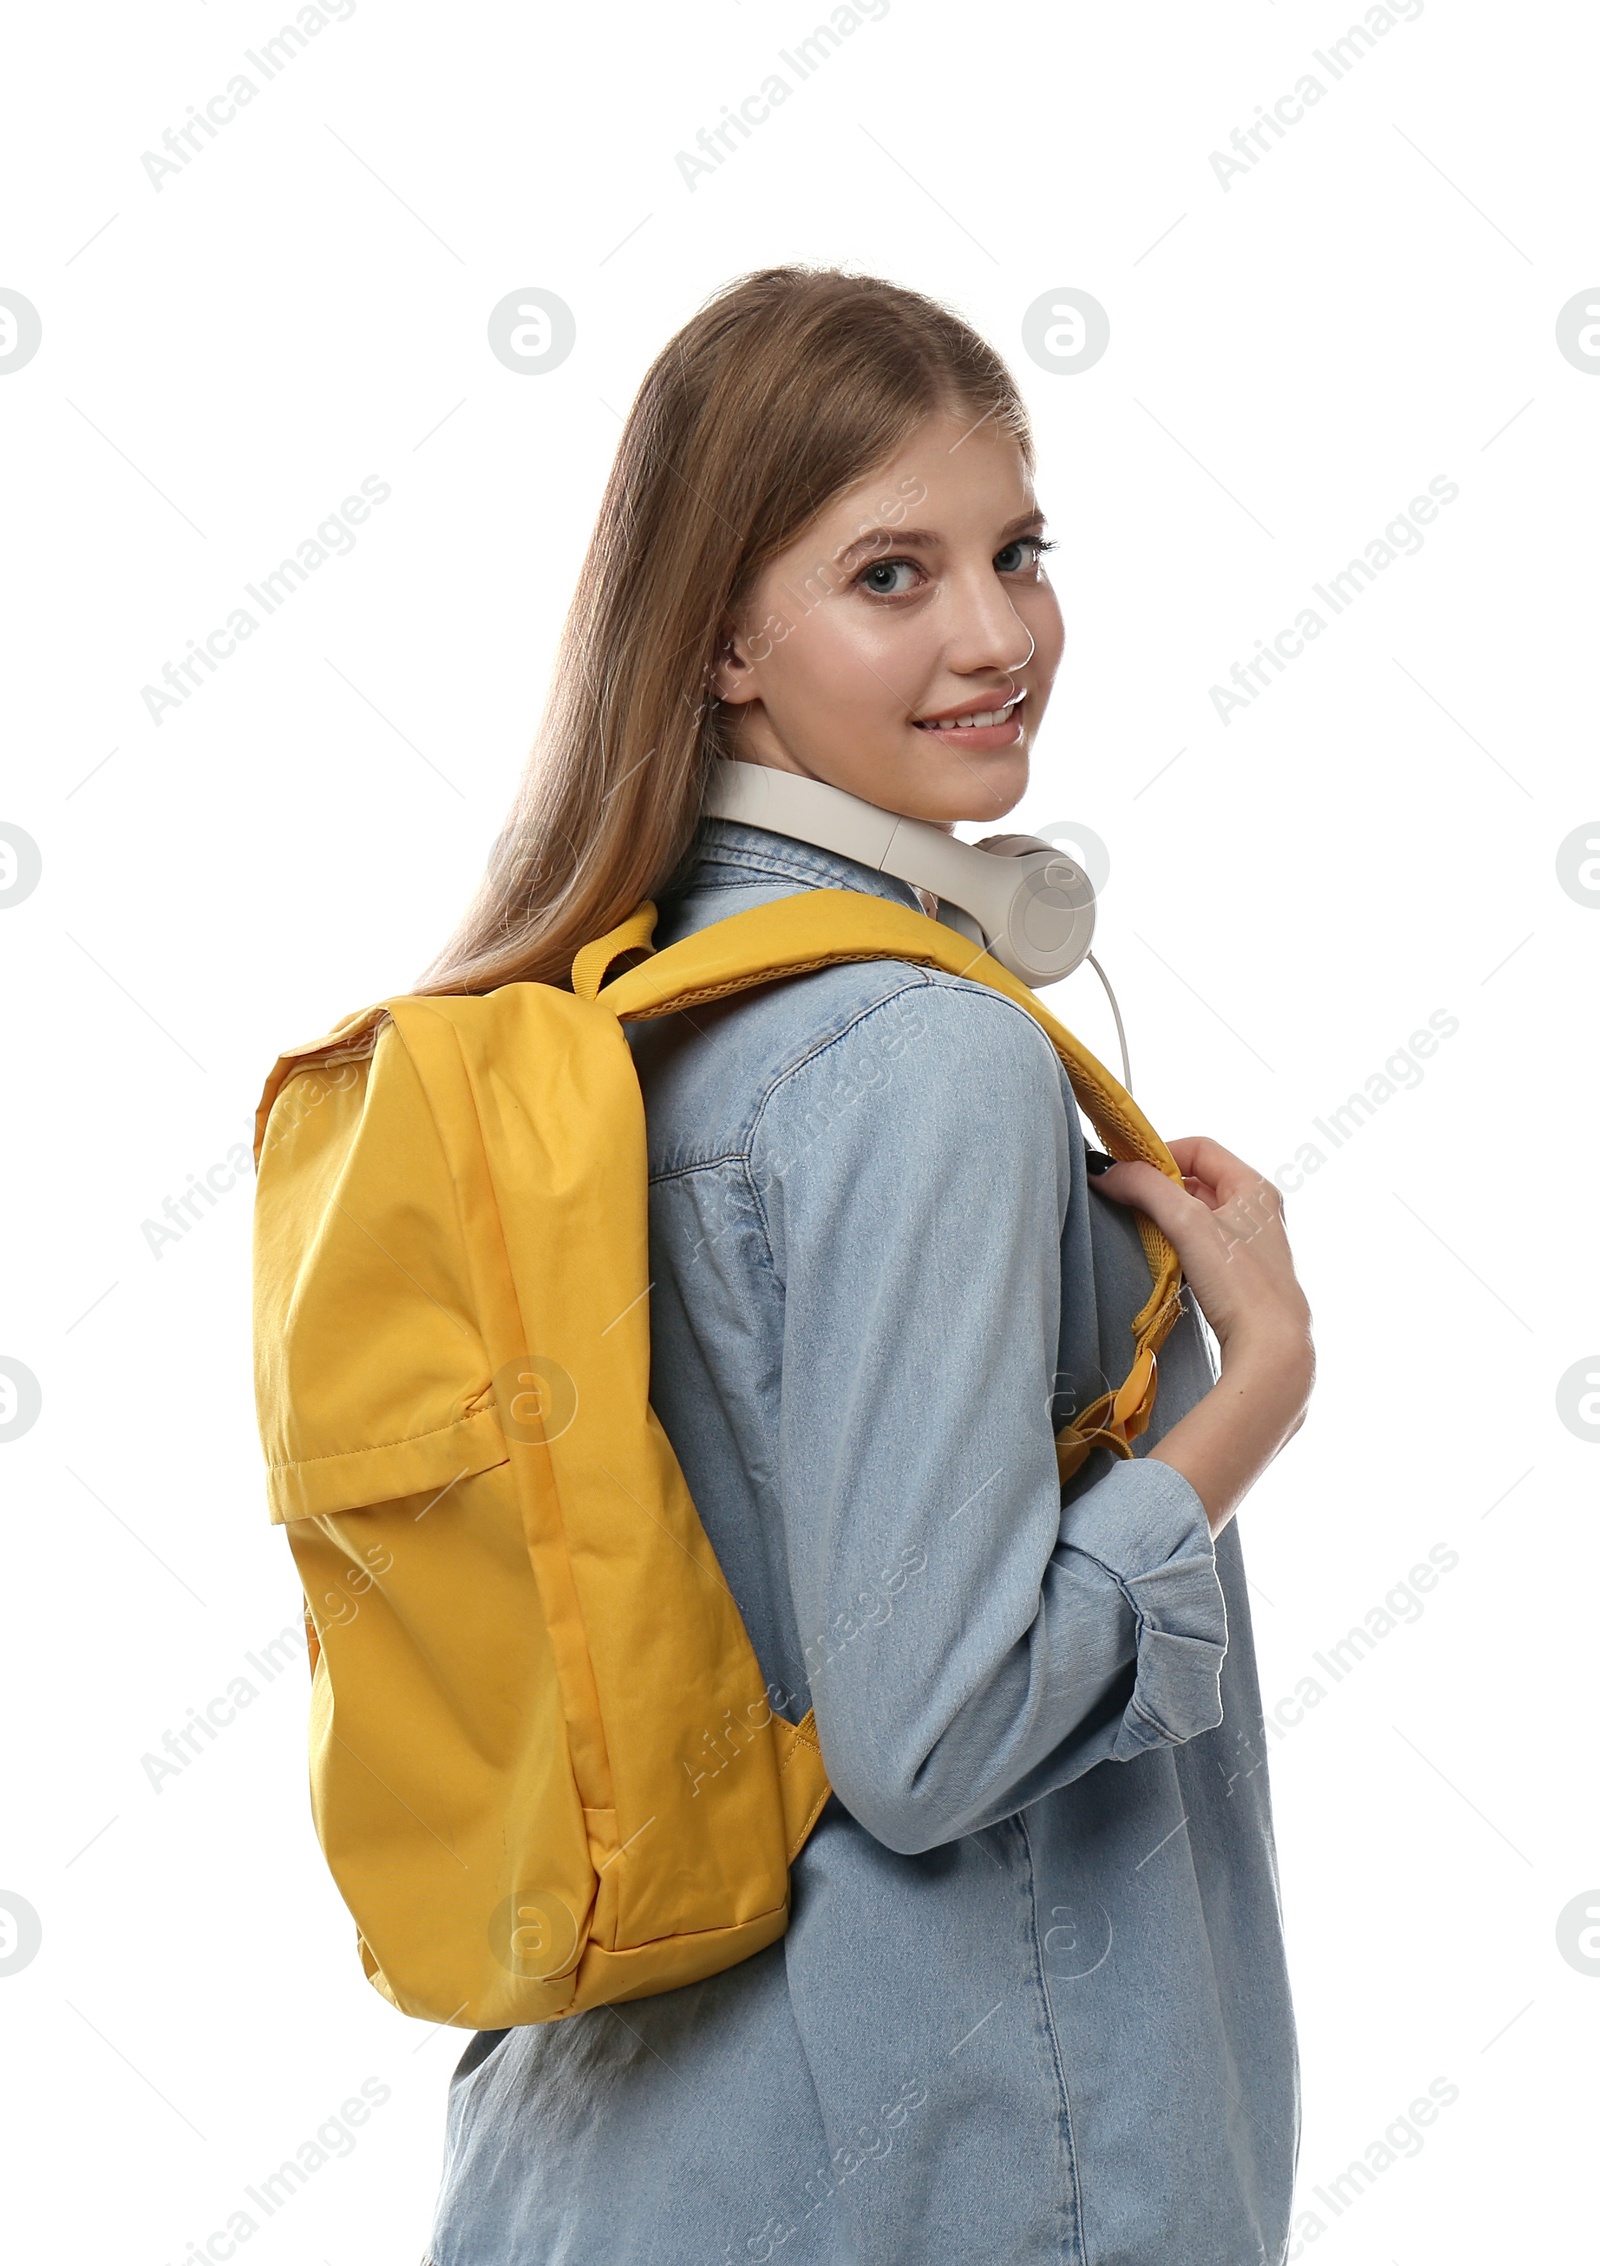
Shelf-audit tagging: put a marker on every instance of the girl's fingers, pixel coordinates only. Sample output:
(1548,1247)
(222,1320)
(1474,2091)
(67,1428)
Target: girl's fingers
(1179,1215)
(1240,1208)
(1228,1234)
(1208,1160)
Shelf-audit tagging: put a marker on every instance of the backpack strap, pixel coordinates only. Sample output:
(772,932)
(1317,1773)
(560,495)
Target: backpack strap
(820,928)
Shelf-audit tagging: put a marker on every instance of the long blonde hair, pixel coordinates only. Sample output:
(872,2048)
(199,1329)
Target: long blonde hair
(787,387)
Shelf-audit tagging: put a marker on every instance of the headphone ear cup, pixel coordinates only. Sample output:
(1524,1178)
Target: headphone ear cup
(1049,914)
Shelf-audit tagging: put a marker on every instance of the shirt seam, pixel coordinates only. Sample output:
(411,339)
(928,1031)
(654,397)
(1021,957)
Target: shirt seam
(700,1164)
(1073,2247)
(915,979)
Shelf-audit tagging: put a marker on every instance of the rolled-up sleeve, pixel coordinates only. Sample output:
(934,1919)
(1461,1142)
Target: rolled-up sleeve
(970,1645)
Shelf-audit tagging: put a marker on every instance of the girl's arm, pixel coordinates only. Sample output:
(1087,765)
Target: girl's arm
(970,1645)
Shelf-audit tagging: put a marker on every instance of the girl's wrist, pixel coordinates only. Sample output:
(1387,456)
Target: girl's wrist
(1273,1357)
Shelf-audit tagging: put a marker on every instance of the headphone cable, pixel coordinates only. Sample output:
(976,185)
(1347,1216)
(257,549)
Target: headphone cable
(1122,1036)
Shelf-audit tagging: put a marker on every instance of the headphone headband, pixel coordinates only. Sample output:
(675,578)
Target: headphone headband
(1023,901)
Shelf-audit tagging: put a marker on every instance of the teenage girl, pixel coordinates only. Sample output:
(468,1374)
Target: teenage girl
(1032,2003)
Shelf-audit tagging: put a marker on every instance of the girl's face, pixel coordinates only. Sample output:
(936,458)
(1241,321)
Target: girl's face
(915,598)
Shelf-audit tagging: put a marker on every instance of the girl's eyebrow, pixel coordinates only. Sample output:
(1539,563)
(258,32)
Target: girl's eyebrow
(923,538)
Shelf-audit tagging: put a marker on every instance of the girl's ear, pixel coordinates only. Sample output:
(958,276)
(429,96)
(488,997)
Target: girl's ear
(733,673)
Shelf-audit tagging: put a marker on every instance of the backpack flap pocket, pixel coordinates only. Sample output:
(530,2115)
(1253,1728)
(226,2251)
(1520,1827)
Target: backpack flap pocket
(441,1776)
(371,1377)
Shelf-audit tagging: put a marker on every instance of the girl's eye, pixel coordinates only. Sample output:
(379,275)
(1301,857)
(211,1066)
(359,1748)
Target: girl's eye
(1037,544)
(878,579)
(889,568)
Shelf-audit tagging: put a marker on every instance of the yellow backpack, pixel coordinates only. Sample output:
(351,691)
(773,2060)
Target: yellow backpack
(521,1641)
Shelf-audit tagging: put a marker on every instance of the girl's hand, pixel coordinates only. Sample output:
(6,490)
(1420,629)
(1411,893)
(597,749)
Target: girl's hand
(1226,1225)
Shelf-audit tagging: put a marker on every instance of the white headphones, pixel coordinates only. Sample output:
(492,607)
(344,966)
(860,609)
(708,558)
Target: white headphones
(1020,899)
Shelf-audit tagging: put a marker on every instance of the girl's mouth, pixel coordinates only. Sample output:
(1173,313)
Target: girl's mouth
(980,729)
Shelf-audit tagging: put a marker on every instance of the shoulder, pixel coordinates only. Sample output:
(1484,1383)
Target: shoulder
(943,1045)
(934,1055)
(951,1031)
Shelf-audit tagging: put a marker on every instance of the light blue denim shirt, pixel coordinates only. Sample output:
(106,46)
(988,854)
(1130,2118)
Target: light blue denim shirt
(1032,2002)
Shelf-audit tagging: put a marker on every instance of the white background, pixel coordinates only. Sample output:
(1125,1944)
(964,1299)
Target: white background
(1293,356)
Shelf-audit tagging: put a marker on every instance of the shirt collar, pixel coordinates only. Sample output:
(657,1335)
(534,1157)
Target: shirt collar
(730,853)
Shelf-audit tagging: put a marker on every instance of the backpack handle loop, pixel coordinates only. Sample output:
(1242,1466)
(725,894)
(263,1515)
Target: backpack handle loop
(590,968)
